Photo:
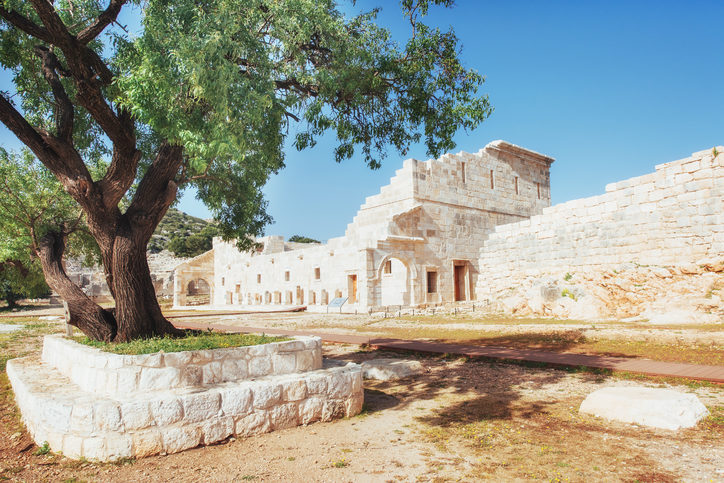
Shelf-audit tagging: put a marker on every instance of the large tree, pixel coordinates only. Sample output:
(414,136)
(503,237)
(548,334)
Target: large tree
(205,96)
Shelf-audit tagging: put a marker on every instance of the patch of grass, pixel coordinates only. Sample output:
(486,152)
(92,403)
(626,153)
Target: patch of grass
(568,277)
(567,293)
(248,477)
(342,463)
(42,450)
(193,341)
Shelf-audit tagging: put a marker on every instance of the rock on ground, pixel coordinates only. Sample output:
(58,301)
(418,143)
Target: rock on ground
(390,369)
(658,408)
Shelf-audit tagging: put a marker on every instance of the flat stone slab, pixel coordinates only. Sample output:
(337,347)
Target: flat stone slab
(390,369)
(657,408)
(7,328)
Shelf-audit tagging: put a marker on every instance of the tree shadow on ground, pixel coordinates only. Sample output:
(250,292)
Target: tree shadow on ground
(472,390)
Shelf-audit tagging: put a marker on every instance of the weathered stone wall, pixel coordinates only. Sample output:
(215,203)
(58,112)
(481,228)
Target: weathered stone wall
(113,374)
(432,217)
(95,426)
(673,217)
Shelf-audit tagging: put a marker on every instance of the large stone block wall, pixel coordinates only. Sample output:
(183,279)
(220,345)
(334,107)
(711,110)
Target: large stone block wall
(432,216)
(112,374)
(674,217)
(87,424)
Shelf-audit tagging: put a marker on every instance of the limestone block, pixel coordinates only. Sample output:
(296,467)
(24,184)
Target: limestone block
(262,350)
(179,438)
(317,384)
(166,410)
(117,446)
(266,394)
(107,416)
(353,405)
(148,360)
(390,369)
(72,446)
(233,370)
(152,378)
(200,405)
(127,379)
(305,361)
(260,366)
(147,443)
(178,359)
(294,389)
(136,414)
(191,376)
(94,448)
(236,400)
(212,372)
(310,409)
(658,408)
(333,409)
(81,418)
(284,416)
(217,429)
(254,423)
(283,363)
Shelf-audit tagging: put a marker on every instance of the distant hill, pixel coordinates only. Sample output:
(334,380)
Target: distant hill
(176,224)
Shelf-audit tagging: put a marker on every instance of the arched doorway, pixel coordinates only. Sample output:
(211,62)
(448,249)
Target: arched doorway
(198,292)
(394,282)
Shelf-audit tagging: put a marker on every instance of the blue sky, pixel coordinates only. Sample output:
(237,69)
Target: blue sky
(609,89)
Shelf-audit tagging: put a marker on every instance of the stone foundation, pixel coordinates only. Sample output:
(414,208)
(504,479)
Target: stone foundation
(72,400)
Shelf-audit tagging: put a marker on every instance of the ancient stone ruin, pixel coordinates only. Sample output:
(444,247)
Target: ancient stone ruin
(479,227)
(417,242)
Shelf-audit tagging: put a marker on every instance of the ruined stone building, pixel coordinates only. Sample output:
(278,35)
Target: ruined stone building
(416,242)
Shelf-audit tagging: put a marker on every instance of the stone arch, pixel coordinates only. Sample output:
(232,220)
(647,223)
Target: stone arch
(198,292)
(397,287)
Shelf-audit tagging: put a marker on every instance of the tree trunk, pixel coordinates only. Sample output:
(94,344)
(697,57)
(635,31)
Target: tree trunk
(92,319)
(138,314)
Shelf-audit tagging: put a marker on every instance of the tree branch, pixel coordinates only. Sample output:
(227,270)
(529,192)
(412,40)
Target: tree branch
(148,208)
(65,112)
(106,17)
(25,24)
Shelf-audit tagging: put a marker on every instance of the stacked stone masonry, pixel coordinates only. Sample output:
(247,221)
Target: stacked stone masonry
(672,217)
(415,243)
(126,419)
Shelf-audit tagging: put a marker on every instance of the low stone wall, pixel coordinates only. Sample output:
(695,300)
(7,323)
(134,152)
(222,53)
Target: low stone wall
(105,427)
(673,218)
(105,373)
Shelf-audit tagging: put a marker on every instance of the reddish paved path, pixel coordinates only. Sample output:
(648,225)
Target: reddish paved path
(562,359)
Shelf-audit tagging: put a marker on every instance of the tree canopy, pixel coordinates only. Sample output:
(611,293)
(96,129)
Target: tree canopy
(205,96)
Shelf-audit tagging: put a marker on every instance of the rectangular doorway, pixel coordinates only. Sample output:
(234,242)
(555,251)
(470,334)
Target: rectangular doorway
(460,277)
(352,289)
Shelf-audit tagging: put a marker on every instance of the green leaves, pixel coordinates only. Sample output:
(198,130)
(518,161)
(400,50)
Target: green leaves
(227,80)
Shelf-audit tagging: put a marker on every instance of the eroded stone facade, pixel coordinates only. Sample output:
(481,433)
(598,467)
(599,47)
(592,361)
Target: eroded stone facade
(415,243)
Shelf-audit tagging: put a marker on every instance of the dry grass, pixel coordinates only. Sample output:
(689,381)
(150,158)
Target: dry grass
(561,341)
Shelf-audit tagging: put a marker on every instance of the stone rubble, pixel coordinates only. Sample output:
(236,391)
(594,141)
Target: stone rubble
(654,407)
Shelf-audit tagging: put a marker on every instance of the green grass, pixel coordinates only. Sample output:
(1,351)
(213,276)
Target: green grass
(193,341)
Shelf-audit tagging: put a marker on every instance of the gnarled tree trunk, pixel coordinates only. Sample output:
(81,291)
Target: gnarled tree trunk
(92,319)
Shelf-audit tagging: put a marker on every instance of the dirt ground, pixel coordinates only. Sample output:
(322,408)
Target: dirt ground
(461,420)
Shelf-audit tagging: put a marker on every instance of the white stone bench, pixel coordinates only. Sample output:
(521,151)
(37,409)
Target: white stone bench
(125,420)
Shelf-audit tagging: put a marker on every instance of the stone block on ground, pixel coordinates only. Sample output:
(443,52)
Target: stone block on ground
(657,408)
(390,369)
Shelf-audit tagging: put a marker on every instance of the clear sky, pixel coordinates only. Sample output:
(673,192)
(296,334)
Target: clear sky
(609,89)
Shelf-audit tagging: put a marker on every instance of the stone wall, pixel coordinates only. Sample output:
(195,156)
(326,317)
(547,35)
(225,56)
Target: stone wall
(168,418)
(673,217)
(113,374)
(432,217)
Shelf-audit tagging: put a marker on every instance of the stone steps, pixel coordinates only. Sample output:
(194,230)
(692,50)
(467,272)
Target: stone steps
(106,428)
